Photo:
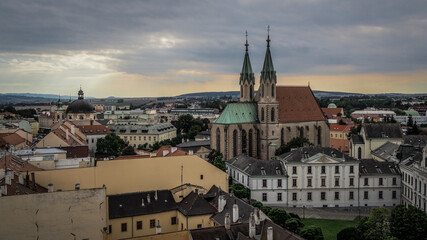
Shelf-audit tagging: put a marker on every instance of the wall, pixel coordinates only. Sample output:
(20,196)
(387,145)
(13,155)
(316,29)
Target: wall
(55,215)
(133,175)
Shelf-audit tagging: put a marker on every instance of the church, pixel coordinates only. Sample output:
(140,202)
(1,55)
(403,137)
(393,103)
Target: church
(79,109)
(259,124)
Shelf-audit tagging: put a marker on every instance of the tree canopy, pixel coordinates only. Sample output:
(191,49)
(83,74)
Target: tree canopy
(111,145)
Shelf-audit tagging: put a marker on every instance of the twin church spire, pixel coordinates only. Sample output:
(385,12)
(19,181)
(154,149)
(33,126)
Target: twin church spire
(247,78)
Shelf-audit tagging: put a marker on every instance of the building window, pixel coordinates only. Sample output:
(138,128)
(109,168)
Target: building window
(279,182)
(351,181)
(244,142)
(394,181)
(365,195)
(309,170)
(323,170)
(323,196)
(262,114)
(124,227)
(279,197)
(393,194)
(359,153)
(234,143)
(110,229)
(380,194)
(218,139)
(351,196)
(201,176)
(351,169)
(294,170)
(264,183)
(294,196)
(323,182)
(380,181)
(309,182)
(337,195)
(294,182)
(337,169)
(199,225)
(173,220)
(337,182)
(309,196)
(152,223)
(366,182)
(272,115)
(264,197)
(138,225)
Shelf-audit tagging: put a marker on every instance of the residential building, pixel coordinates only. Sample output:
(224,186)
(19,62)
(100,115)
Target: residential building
(372,136)
(373,114)
(419,120)
(333,113)
(137,135)
(267,180)
(46,120)
(93,134)
(200,148)
(12,141)
(258,125)
(76,214)
(131,117)
(379,183)
(339,138)
(63,134)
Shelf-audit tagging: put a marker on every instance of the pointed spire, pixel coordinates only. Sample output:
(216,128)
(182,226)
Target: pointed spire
(247,73)
(268,68)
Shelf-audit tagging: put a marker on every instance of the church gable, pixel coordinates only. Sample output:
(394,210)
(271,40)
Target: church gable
(238,113)
(297,104)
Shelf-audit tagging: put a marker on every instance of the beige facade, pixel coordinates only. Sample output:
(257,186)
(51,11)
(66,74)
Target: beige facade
(55,215)
(125,176)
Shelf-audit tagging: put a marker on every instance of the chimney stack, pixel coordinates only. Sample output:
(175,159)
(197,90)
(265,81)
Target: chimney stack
(257,217)
(142,202)
(158,228)
(270,233)
(227,221)
(50,187)
(73,130)
(33,179)
(155,195)
(21,178)
(221,203)
(77,186)
(235,212)
(252,229)
(148,198)
(190,152)
(66,134)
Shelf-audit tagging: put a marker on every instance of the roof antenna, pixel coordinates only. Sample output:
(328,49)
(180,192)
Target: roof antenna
(268,36)
(246,45)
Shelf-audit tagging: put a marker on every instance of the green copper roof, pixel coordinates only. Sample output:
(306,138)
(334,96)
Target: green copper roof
(411,112)
(236,113)
(268,68)
(247,74)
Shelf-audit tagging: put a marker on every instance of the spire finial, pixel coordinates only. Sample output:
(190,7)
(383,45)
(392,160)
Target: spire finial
(246,45)
(268,36)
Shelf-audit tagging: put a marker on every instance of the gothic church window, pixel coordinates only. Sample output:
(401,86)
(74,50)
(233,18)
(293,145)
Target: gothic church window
(262,114)
(218,139)
(234,143)
(359,153)
(272,114)
(250,143)
(272,90)
(244,141)
(251,91)
(241,91)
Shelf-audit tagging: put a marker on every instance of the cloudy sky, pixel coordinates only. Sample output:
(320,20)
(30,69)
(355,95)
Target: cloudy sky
(166,48)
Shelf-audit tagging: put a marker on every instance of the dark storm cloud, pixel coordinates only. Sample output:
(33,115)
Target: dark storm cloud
(308,37)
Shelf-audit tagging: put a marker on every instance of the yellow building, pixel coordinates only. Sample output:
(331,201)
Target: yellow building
(137,135)
(140,174)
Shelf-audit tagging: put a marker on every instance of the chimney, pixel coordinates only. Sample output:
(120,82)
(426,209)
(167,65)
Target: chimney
(158,228)
(148,198)
(221,203)
(256,215)
(235,212)
(142,203)
(33,179)
(77,186)
(155,195)
(227,221)
(73,130)
(50,187)
(21,178)
(270,233)
(252,230)
(190,152)
(8,179)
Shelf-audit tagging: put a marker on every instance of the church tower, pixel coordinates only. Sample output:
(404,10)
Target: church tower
(268,107)
(247,78)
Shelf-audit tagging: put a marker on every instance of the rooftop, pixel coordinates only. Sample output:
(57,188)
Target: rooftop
(307,154)
(371,166)
(383,130)
(255,167)
(238,113)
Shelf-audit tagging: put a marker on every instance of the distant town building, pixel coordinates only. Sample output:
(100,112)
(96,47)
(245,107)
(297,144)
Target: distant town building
(419,120)
(373,114)
(199,148)
(339,138)
(63,134)
(79,109)
(131,117)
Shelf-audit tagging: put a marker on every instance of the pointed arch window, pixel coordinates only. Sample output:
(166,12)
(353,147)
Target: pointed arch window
(272,114)
(234,143)
(218,140)
(272,90)
(244,142)
(241,91)
(262,90)
(250,143)
(262,114)
(301,131)
(282,136)
(319,136)
(251,92)
(359,153)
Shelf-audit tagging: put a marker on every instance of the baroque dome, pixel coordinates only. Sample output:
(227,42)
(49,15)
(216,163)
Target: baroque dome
(80,105)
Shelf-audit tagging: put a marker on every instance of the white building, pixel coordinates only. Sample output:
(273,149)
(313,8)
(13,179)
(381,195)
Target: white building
(416,120)
(93,133)
(267,180)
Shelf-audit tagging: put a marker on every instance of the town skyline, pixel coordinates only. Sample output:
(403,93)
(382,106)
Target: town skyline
(143,49)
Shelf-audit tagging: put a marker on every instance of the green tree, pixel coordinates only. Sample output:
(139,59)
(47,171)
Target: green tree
(294,225)
(294,143)
(350,233)
(408,223)
(215,157)
(278,216)
(311,232)
(240,191)
(111,145)
(257,204)
(376,226)
(266,209)
(129,150)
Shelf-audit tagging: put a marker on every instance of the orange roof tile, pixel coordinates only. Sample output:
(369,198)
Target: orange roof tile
(12,138)
(340,128)
(16,164)
(330,112)
(297,104)
(94,129)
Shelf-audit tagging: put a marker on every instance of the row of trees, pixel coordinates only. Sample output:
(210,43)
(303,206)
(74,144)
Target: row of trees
(382,224)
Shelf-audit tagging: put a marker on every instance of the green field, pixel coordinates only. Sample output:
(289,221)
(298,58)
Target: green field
(330,228)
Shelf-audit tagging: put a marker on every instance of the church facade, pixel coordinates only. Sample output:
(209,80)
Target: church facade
(79,109)
(258,124)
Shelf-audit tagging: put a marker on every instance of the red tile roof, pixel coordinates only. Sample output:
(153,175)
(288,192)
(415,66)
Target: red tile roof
(331,112)
(76,151)
(297,104)
(12,138)
(94,129)
(16,164)
(172,151)
(340,128)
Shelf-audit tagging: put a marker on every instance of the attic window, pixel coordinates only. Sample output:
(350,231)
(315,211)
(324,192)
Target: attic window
(263,171)
(378,169)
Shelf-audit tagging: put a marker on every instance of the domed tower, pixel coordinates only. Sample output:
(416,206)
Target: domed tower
(80,109)
(268,107)
(247,78)
(60,111)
